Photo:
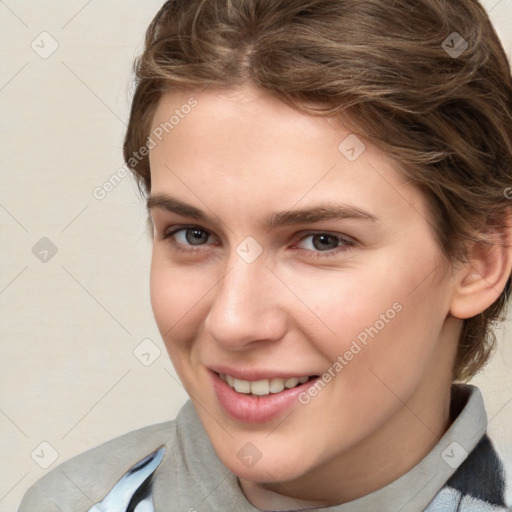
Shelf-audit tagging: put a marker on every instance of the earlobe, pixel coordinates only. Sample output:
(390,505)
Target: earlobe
(482,279)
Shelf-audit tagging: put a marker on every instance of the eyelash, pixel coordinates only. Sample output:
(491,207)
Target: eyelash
(345,244)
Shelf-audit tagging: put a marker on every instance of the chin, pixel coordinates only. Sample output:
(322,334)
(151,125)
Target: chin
(278,467)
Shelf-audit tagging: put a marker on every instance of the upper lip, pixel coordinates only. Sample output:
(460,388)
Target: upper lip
(253,374)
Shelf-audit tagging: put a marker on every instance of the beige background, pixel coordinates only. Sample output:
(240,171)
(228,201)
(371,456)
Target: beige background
(70,325)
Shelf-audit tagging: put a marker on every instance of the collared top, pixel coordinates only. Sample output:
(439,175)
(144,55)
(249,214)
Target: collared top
(172,466)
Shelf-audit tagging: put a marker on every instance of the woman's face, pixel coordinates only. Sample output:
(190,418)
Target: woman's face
(292,251)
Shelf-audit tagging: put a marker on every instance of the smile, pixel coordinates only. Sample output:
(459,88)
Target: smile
(259,400)
(263,386)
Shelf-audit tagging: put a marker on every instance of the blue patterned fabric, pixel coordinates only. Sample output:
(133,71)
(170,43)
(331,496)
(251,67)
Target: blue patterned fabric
(133,492)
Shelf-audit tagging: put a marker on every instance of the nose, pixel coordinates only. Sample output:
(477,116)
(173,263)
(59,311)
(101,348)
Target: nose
(246,306)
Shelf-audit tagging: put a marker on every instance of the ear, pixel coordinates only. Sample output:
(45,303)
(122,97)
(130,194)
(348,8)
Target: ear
(480,281)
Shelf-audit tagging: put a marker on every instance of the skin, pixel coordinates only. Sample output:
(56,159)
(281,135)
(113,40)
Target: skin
(240,155)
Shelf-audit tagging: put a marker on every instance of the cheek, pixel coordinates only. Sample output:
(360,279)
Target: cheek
(337,307)
(406,348)
(379,317)
(396,340)
(176,293)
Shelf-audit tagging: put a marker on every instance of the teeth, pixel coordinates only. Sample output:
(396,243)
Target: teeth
(260,387)
(242,386)
(264,386)
(276,385)
(291,382)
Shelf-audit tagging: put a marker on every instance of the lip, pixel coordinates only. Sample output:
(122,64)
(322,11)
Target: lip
(252,409)
(253,375)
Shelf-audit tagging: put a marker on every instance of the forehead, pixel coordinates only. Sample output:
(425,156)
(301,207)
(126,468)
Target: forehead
(247,143)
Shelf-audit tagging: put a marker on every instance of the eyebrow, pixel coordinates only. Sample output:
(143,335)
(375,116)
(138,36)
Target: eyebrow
(317,213)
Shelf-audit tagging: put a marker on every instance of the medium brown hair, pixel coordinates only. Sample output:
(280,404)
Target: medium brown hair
(396,71)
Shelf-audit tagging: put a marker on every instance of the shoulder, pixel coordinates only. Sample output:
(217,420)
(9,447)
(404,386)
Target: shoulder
(84,479)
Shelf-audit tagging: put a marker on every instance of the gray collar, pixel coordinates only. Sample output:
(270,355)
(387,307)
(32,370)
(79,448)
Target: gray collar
(204,476)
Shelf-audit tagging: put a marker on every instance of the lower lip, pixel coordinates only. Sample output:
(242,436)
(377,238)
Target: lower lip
(256,409)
